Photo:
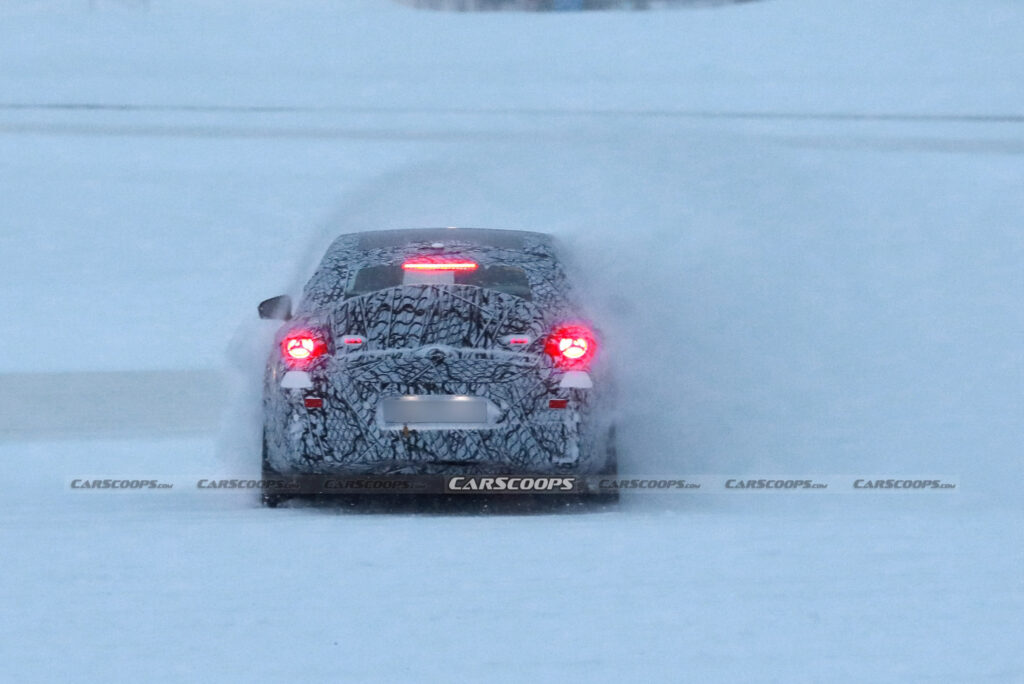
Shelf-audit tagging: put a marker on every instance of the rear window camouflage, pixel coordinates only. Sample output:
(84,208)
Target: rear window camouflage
(486,237)
(532,254)
(500,277)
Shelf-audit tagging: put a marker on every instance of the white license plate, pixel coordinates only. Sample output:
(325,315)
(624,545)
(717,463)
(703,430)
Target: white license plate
(433,409)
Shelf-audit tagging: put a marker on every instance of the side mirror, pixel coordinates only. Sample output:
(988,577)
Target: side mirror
(276,308)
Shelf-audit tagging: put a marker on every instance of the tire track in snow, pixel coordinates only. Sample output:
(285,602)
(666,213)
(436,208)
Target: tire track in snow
(115,404)
(917,117)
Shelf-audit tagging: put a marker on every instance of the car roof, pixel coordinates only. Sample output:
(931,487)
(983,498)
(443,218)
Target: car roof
(490,237)
(534,253)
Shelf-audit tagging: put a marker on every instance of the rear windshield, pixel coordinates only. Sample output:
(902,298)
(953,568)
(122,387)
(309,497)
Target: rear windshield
(508,279)
(503,239)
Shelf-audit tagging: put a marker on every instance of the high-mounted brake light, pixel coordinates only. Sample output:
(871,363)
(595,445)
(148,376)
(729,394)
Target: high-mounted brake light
(303,346)
(571,346)
(438,263)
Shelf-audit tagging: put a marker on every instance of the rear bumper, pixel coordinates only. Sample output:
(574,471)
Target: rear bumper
(492,419)
(327,441)
(534,484)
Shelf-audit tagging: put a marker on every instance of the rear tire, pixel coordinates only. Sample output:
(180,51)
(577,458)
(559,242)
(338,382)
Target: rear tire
(269,499)
(611,464)
(610,470)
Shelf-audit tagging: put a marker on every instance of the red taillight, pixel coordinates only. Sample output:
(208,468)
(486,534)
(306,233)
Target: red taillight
(438,263)
(303,346)
(571,346)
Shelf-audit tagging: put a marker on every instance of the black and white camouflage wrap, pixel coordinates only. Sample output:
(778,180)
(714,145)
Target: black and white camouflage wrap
(433,339)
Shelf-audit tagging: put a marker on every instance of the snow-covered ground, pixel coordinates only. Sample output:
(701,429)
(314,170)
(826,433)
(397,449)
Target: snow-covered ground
(799,222)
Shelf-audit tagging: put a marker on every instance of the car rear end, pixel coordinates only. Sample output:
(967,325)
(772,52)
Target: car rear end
(434,355)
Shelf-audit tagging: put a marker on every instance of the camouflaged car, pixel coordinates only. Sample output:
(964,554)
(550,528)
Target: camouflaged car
(456,354)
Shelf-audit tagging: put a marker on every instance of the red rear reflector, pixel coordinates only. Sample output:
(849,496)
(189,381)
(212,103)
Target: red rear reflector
(558,403)
(571,346)
(352,341)
(314,402)
(519,341)
(429,263)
